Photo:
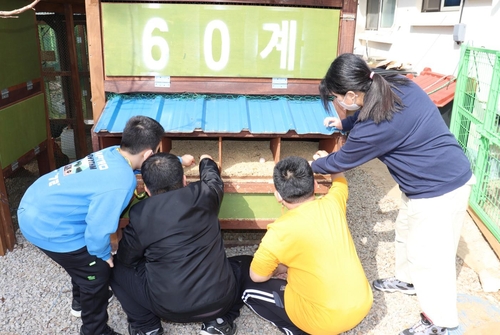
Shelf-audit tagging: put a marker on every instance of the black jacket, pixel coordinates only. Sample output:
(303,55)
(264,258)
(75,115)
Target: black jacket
(178,235)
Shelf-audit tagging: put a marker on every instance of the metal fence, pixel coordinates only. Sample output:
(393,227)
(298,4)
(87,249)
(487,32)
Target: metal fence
(475,122)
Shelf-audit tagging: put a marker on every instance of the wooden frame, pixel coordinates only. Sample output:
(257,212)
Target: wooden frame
(234,185)
(46,163)
(328,143)
(7,236)
(100,83)
(67,38)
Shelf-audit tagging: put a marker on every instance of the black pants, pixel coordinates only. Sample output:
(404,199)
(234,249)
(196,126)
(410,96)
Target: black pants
(90,279)
(129,287)
(267,300)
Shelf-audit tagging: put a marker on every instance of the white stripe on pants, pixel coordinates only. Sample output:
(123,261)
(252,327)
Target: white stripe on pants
(427,236)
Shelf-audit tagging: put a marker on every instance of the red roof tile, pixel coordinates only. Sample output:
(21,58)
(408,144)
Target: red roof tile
(439,87)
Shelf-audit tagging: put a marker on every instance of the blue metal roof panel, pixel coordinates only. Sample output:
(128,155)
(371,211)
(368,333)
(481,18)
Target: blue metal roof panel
(308,117)
(225,115)
(269,117)
(181,115)
(213,114)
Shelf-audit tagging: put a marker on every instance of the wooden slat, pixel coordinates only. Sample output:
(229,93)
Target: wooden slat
(45,151)
(246,187)
(492,241)
(211,85)
(21,92)
(26,158)
(301,3)
(57,6)
(241,135)
(334,143)
(7,236)
(96,57)
(220,153)
(166,144)
(275,147)
(347,27)
(233,224)
(81,139)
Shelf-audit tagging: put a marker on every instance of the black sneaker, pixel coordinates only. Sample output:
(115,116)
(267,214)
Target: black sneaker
(394,285)
(218,327)
(76,308)
(425,327)
(107,331)
(133,331)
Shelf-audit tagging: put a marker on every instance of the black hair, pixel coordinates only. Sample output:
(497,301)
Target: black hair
(141,133)
(162,172)
(294,179)
(349,72)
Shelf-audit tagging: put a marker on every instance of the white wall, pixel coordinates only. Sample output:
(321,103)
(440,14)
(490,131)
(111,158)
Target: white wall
(426,39)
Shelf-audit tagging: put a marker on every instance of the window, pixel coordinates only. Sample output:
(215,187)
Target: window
(380,14)
(441,5)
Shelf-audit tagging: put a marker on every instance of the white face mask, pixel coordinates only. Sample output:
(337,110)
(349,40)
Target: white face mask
(352,107)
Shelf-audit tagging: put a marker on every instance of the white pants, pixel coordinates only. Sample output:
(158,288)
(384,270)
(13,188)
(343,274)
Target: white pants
(427,236)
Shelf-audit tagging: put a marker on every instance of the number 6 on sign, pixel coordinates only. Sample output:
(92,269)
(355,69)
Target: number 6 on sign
(149,41)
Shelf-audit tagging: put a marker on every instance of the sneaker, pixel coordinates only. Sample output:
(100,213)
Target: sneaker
(218,327)
(425,327)
(107,331)
(133,331)
(394,285)
(76,308)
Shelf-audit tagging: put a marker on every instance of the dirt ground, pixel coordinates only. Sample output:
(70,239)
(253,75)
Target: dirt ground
(374,245)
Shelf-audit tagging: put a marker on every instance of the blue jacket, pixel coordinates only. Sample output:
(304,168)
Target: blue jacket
(78,204)
(421,153)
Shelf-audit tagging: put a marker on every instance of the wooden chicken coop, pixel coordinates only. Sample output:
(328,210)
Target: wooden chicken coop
(216,75)
(23,127)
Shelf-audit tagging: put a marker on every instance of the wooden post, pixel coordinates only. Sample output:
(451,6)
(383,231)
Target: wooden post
(96,57)
(220,154)
(166,144)
(46,158)
(7,235)
(275,147)
(81,142)
(347,26)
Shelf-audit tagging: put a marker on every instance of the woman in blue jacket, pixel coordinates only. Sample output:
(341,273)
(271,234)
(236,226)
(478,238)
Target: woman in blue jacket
(395,121)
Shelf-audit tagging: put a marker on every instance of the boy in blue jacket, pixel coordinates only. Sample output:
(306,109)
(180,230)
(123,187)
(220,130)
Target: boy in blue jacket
(71,212)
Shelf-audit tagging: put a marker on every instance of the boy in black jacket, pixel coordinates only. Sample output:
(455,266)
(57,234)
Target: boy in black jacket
(171,263)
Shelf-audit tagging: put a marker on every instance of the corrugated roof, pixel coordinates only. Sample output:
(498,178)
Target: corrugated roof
(439,87)
(215,114)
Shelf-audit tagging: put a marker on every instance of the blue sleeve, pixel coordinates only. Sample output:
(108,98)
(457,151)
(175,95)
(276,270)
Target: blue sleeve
(362,145)
(348,122)
(102,220)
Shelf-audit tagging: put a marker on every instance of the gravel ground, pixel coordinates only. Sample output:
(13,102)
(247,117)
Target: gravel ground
(35,293)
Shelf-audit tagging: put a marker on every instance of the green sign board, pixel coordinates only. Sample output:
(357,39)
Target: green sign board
(218,40)
(19,60)
(24,120)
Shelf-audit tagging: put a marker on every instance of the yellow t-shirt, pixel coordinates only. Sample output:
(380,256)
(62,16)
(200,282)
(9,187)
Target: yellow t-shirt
(327,291)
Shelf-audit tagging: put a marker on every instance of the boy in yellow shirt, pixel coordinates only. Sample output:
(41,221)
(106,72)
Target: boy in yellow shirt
(326,290)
